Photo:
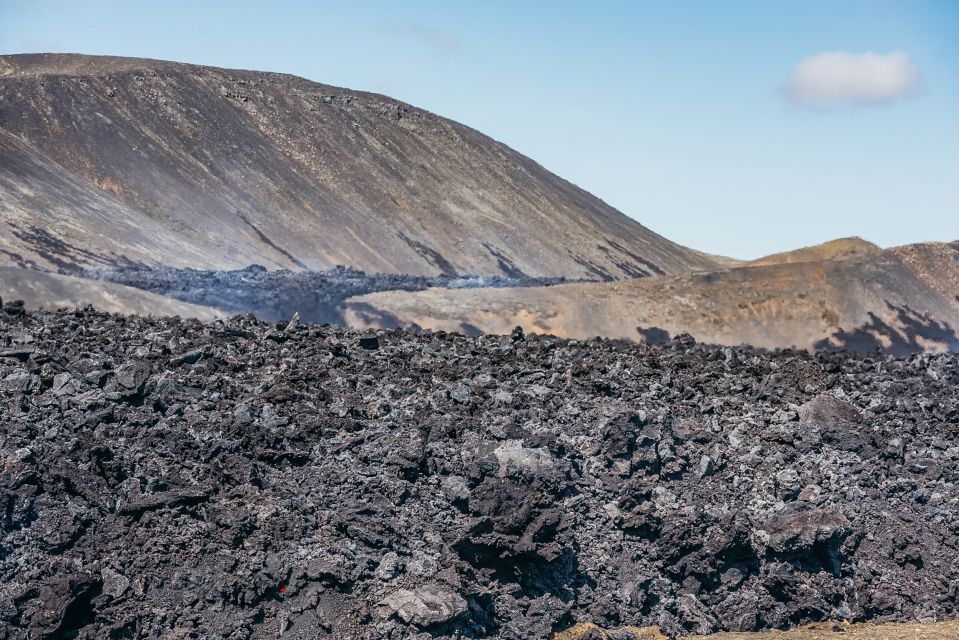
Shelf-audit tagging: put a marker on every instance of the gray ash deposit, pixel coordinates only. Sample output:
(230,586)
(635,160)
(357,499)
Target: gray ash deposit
(271,295)
(173,479)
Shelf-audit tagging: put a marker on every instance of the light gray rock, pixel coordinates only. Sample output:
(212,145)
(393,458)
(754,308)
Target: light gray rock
(115,584)
(705,466)
(460,393)
(512,452)
(427,605)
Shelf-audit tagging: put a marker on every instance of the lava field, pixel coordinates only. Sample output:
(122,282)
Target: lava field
(163,478)
(317,296)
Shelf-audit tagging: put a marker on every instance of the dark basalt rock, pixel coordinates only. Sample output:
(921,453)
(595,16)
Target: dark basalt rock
(837,423)
(167,478)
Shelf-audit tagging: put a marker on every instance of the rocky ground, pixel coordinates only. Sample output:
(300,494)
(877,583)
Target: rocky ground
(175,479)
(317,296)
(946,630)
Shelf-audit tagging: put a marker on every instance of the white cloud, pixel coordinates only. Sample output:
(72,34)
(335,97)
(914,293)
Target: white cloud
(834,78)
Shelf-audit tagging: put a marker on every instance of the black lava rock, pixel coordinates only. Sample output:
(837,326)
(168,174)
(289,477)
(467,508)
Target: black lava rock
(166,478)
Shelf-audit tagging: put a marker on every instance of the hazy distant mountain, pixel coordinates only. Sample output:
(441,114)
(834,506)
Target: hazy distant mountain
(109,161)
(899,300)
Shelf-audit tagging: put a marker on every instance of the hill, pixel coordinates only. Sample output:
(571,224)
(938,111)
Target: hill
(839,249)
(898,300)
(112,161)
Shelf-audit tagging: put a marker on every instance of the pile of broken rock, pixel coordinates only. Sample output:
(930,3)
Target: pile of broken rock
(174,479)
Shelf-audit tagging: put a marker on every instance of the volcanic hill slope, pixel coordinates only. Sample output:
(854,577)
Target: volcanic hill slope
(860,297)
(111,161)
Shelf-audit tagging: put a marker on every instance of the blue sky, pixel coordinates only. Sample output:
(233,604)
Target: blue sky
(675,112)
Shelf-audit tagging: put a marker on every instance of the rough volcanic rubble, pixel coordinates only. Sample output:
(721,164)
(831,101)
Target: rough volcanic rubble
(317,296)
(172,479)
